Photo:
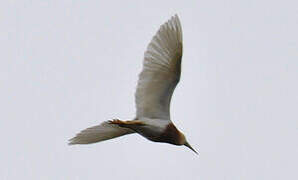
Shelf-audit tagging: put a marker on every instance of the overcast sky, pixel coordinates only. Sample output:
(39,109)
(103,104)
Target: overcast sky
(67,65)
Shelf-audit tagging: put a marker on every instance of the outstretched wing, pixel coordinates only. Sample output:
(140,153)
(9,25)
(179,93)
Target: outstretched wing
(161,71)
(102,132)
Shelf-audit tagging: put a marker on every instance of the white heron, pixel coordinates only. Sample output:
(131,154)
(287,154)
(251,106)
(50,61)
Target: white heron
(156,84)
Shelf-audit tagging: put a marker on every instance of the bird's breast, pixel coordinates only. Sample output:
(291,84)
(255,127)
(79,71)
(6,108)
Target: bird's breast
(160,131)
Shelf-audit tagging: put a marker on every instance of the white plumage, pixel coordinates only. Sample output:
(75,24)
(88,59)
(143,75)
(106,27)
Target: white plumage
(101,132)
(156,84)
(161,72)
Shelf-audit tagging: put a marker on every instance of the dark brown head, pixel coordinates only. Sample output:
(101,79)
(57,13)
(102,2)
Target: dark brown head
(173,136)
(184,142)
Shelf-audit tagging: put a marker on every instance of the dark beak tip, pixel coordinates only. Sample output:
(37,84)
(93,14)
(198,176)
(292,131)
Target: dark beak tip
(189,146)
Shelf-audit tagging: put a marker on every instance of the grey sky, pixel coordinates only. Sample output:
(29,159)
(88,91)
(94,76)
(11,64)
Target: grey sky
(68,65)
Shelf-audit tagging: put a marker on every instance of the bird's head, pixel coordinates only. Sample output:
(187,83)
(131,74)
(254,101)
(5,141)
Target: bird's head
(174,136)
(184,142)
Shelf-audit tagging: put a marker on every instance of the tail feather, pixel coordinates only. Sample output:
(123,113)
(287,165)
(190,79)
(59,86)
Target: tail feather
(98,133)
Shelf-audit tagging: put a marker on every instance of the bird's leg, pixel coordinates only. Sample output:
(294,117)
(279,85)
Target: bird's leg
(127,124)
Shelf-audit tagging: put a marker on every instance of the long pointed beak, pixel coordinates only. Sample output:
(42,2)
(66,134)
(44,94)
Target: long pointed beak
(189,146)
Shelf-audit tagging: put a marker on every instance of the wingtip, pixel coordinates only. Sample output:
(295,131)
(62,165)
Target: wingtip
(176,16)
(174,22)
(71,142)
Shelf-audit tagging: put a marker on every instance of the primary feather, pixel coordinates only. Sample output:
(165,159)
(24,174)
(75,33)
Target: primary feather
(161,72)
(102,132)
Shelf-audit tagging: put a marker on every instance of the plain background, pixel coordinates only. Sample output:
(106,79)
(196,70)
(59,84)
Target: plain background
(67,65)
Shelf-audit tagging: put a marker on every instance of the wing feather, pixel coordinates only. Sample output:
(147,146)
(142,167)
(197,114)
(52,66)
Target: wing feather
(98,133)
(161,71)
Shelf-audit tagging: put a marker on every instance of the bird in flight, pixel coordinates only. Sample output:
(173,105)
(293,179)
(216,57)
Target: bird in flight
(156,84)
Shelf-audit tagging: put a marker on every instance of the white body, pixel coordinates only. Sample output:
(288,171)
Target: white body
(157,81)
(153,128)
